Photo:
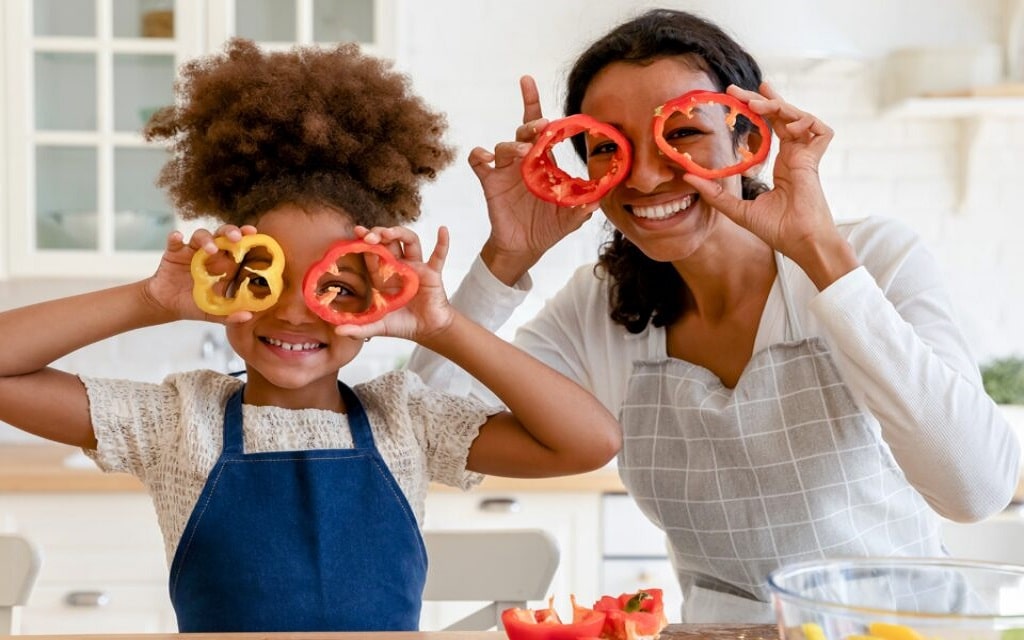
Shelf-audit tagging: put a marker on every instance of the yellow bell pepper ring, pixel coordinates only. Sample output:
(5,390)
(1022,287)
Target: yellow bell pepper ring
(204,283)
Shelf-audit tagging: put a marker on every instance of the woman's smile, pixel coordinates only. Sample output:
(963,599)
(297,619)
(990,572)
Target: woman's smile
(664,210)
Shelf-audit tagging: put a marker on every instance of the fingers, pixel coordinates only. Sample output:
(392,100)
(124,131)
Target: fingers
(480,160)
(403,242)
(715,194)
(202,239)
(531,99)
(440,253)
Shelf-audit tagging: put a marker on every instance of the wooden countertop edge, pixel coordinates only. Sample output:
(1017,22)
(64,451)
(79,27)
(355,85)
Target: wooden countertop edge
(40,468)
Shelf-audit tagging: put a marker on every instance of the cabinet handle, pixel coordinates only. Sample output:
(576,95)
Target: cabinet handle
(499,505)
(87,599)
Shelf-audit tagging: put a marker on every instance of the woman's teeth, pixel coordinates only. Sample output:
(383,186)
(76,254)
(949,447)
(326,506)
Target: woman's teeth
(662,211)
(288,346)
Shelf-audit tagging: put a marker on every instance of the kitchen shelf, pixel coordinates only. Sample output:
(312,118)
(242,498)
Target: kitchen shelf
(958,107)
(1002,100)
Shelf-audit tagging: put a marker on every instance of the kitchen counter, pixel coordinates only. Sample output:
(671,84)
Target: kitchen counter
(671,632)
(41,468)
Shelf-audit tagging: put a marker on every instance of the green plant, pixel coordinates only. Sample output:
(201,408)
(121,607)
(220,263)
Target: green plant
(1004,379)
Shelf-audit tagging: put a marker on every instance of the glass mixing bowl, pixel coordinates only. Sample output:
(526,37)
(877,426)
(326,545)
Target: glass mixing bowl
(899,599)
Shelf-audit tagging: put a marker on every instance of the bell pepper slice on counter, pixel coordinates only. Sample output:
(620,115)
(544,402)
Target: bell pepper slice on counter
(633,616)
(318,296)
(685,104)
(547,181)
(204,283)
(545,624)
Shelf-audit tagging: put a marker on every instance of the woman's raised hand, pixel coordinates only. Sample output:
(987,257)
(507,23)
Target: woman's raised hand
(523,227)
(794,216)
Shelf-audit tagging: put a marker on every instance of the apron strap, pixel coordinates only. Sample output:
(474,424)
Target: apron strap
(358,423)
(793,329)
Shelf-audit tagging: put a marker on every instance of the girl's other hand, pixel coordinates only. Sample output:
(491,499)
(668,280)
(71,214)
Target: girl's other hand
(523,227)
(170,287)
(428,312)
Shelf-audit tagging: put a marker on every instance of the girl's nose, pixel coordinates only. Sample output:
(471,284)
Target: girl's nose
(650,168)
(291,306)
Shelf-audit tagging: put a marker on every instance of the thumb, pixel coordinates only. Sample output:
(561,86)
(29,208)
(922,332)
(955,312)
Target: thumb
(713,193)
(480,160)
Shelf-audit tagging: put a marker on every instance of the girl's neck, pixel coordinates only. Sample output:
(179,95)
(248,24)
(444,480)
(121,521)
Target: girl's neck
(321,394)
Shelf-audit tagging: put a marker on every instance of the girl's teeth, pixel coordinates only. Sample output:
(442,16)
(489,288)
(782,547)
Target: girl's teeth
(287,346)
(662,211)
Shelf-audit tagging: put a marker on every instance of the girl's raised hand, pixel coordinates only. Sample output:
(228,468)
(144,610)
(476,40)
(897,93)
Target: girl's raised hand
(428,311)
(170,287)
(523,227)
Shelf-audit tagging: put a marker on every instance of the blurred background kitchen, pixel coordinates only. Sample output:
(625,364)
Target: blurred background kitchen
(926,98)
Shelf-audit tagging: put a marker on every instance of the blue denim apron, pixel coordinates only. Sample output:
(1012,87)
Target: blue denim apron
(317,540)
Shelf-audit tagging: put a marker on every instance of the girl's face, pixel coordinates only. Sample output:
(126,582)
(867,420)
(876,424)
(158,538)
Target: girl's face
(653,207)
(293,356)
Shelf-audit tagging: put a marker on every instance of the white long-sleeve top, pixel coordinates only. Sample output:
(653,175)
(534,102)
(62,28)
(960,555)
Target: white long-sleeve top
(889,323)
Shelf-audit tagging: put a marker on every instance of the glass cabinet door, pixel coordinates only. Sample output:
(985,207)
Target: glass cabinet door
(95,71)
(82,78)
(278,24)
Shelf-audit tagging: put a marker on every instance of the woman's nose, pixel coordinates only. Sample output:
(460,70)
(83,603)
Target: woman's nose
(650,168)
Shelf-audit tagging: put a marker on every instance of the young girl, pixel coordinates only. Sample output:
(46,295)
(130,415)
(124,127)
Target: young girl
(290,501)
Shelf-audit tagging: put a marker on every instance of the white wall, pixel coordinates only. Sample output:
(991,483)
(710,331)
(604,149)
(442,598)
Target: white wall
(955,181)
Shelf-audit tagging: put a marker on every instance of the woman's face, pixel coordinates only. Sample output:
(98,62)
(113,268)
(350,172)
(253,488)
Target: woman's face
(653,207)
(288,348)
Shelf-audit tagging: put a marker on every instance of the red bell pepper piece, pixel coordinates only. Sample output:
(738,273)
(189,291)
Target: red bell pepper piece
(319,299)
(633,616)
(545,180)
(685,104)
(545,624)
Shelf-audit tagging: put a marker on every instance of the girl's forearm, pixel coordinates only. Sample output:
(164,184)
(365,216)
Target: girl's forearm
(32,337)
(557,411)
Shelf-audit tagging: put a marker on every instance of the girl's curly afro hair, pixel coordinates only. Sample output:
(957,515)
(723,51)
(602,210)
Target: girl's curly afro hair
(252,130)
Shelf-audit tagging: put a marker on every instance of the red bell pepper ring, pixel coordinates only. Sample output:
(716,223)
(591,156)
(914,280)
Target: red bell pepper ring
(545,180)
(685,104)
(203,282)
(380,304)
(545,624)
(633,616)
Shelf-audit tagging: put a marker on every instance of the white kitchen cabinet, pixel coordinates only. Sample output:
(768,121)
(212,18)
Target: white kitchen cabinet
(573,518)
(634,554)
(82,77)
(103,568)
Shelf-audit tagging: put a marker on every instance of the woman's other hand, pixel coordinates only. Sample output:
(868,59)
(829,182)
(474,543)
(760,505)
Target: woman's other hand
(523,227)
(794,216)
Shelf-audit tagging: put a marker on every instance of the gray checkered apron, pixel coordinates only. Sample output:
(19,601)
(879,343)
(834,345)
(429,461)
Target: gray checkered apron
(783,467)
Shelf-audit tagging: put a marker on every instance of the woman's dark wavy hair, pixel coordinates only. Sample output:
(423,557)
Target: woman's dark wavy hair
(252,130)
(642,290)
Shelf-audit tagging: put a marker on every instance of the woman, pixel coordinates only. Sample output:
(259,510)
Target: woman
(789,387)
